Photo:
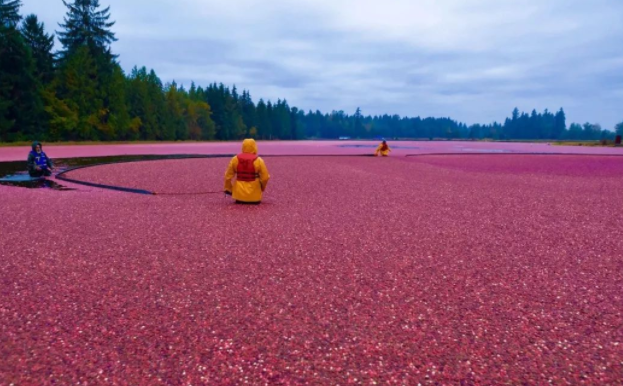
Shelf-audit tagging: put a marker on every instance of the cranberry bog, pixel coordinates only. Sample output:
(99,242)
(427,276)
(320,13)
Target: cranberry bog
(305,147)
(443,269)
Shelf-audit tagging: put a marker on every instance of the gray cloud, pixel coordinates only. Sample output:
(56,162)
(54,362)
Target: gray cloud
(473,60)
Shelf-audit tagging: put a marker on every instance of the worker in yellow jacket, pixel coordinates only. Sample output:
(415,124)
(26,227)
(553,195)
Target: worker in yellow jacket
(383,149)
(251,175)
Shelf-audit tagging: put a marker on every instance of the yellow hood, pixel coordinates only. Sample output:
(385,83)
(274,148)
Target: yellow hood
(249,146)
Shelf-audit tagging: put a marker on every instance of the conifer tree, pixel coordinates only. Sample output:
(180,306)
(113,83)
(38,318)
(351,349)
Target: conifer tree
(9,13)
(21,107)
(560,124)
(263,121)
(176,127)
(85,24)
(76,88)
(41,45)
(247,109)
(90,81)
(358,123)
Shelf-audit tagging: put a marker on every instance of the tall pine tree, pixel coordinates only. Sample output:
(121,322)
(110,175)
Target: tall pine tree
(20,94)
(86,25)
(41,45)
(9,13)
(91,80)
(560,124)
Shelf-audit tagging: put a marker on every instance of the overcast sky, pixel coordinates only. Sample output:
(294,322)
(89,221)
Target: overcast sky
(472,60)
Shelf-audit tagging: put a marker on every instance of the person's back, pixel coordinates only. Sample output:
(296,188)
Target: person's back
(383,149)
(39,164)
(251,175)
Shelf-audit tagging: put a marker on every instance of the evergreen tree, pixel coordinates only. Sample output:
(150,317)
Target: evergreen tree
(220,101)
(86,25)
(9,13)
(90,82)
(270,115)
(296,123)
(475,131)
(575,131)
(137,99)
(560,124)
(76,89)
(534,125)
(281,121)
(234,124)
(116,117)
(263,120)
(21,106)
(547,125)
(193,92)
(513,124)
(358,123)
(247,109)
(175,112)
(157,108)
(41,45)
(146,103)
(523,129)
(234,94)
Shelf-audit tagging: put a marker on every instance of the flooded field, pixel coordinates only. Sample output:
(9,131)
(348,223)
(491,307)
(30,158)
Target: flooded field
(448,267)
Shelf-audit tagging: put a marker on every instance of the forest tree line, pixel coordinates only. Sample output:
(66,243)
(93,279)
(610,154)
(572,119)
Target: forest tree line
(80,93)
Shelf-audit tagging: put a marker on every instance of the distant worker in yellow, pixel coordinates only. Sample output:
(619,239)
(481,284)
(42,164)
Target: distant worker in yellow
(383,149)
(251,175)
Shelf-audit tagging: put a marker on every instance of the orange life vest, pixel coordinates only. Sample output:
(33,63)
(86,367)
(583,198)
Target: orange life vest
(384,147)
(246,169)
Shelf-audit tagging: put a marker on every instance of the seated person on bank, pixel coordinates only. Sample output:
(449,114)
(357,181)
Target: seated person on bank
(251,175)
(39,164)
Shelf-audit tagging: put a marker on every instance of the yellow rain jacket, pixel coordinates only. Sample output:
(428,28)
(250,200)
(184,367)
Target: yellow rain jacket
(247,191)
(380,150)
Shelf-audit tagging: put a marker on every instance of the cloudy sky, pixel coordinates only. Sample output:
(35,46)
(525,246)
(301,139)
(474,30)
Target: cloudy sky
(472,60)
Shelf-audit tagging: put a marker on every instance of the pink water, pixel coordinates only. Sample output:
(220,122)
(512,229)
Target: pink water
(304,147)
(453,270)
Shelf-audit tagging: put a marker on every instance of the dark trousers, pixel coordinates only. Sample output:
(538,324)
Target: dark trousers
(40,173)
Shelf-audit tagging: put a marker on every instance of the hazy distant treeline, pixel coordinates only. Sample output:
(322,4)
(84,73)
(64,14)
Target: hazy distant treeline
(81,93)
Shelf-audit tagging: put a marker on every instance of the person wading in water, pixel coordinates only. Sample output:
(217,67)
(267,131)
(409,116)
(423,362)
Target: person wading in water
(383,149)
(251,175)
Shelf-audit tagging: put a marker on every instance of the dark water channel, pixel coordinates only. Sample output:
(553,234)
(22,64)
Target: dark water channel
(19,170)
